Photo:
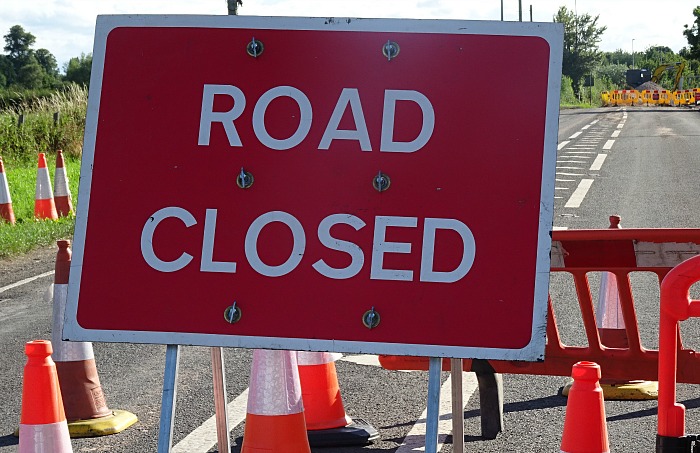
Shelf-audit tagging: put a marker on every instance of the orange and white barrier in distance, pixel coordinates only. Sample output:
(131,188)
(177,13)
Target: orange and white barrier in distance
(61,191)
(584,424)
(83,399)
(43,426)
(275,417)
(326,421)
(6,212)
(44,206)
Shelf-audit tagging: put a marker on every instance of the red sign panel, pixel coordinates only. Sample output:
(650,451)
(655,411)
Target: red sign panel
(350,185)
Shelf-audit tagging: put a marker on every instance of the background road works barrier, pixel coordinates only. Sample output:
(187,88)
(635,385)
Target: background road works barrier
(578,253)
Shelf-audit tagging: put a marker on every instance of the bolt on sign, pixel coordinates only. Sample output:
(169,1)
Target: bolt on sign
(353,185)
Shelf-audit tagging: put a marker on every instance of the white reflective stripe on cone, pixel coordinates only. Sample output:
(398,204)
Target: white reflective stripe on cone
(609,313)
(61,183)
(274,383)
(47,438)
(317,358)
(4,190)
(65,351)
(43,185)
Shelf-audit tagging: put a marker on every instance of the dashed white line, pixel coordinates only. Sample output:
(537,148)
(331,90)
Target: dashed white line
(585,127)
(562,144)
(609,144)
(576,134)
(556,228)
(579,194)
(579,152)
(568,174)
(621,125)
(616,133)
(598,162)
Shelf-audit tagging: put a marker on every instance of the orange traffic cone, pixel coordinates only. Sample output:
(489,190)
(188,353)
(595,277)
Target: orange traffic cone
(275,418)
(61,192)
(611,329)
(84,401)
(326,421)
(6,212)
(43,425)
(584,426)
(44,206)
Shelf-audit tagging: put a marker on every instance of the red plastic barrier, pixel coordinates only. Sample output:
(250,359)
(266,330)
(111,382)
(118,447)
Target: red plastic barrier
(676,306)
(618,251)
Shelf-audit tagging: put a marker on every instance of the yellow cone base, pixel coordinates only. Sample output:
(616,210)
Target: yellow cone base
(103,426)
(625,391)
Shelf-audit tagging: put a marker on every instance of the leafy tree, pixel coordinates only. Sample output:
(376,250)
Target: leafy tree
(78,69)
(47,61)
(31,75)
(692,34)
(18,43)
(581,37)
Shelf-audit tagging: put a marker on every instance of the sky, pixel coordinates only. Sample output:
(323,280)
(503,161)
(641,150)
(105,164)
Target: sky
(66,27)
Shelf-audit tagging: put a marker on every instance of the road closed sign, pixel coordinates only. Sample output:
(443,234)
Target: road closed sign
(350,185)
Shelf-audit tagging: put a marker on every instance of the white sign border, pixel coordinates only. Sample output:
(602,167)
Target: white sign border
(552,33)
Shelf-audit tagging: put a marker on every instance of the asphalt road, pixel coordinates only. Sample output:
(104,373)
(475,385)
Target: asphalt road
(647,176)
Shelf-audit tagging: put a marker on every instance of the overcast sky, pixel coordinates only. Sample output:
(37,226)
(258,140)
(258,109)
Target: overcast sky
(66,27)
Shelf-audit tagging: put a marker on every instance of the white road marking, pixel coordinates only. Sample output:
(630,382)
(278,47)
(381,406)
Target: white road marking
(562,144)
(579,152)
(615,133)
(585,127)
(581,147)
(579,194)
(576,134)
(609,144)
(569,174)
(621,125)
(25,281)
(564,180)
(415,439)
(556,228)
(598,162)
(570,162)
(562,188)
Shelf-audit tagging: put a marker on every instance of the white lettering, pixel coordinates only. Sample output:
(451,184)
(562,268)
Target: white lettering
(147,239)
(251,244)
(208,116)
(304,122)
(208,265)
(352,249)
(390,97)
(349,96)
(427,274)
(380,247)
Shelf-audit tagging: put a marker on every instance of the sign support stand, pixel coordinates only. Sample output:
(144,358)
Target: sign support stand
(217,365)
(457,406)
(431,430)
(167,405)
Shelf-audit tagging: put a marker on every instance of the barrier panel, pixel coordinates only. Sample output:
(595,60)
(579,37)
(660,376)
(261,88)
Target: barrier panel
(684,97)
(664,97)
(617,251)
(676,306)
(696,96)
(605,98)
(650,97)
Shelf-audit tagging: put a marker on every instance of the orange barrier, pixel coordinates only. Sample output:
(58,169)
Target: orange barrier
(584,424)
(676,306)
(619,252)
(7,214)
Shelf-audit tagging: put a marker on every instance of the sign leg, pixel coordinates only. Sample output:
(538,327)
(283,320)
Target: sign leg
(167,405)
(217,365)
(431,429)
(457,406)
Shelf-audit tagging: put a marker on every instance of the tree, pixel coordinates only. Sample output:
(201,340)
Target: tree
(78,69)
(47,61)
(581,37)
(18,43)
(692,34)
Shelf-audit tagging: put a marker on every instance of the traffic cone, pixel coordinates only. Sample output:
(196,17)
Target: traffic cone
(326,421)
(584,426)
(275,418)
(61,192)
(44,206)
(611,329)
(84,401)
(42,427)
(6,212)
